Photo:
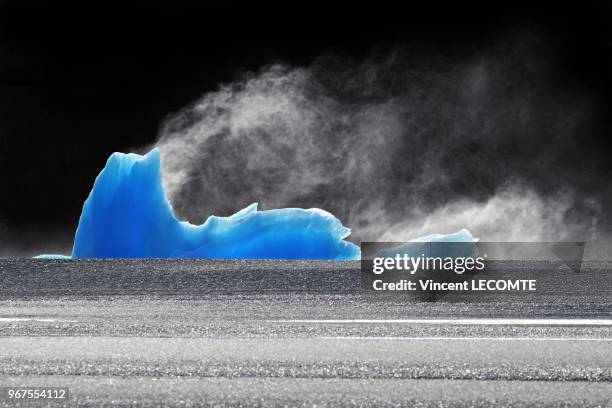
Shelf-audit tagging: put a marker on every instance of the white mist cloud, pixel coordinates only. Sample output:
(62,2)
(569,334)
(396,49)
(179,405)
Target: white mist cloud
(513,214)
(395,147)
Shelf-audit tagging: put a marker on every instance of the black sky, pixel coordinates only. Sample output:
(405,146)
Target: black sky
(80,80)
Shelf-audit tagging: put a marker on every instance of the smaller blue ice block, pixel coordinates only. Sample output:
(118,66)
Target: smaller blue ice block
(53,256)
(460,244)
(127,215)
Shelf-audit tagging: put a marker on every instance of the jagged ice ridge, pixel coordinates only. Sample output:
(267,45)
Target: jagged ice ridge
(128,215)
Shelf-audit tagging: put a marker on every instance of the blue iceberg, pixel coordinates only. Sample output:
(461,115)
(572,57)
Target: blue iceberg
(127,215)
(457,245)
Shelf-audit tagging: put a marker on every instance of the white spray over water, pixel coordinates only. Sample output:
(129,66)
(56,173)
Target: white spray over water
(397,146)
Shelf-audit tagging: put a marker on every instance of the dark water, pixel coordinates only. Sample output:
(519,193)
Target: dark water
(245,298)
(245,333)
(37,277)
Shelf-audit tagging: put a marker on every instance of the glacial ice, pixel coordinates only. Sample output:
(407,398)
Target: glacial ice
(52,256)
(459,244)
(127,215)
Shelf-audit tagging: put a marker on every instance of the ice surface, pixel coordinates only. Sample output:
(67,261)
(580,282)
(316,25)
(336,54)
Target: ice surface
(52,256)
(459,244)
(127,215)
